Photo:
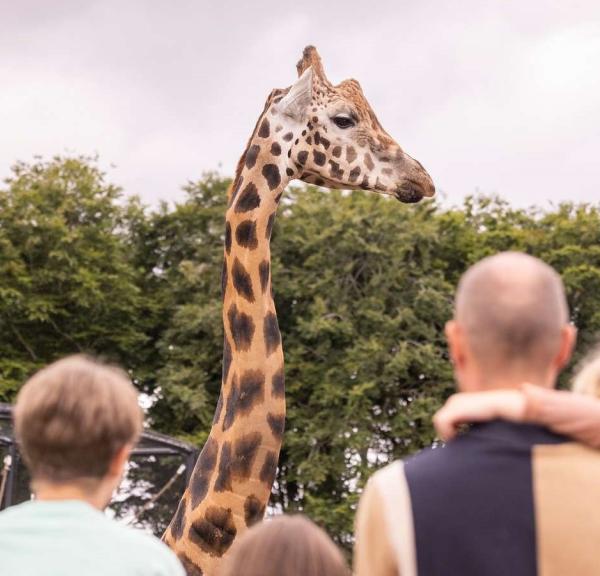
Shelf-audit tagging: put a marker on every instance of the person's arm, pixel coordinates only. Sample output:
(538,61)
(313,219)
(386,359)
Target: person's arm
(565,413)
(373,554)
(469,407)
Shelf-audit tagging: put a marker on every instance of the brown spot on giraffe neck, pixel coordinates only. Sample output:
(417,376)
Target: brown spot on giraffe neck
(215,532)
(242,281)
(188,566)
(245,235)
(245,451)
(248,200)
(269,469)
(178,523)
(278,384)
(265,129)
(224,279)
(244,396)
(271,333)
(270,224)
(218,409)
(272,175)
(252,155)
(227,237)
(254,510)
(223,481)
(242,327)
(263,271)
(203,470)
(277,425)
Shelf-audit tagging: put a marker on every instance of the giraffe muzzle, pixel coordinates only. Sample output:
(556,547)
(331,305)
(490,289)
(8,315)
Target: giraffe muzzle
(415,183)
(413,190)
(409,194)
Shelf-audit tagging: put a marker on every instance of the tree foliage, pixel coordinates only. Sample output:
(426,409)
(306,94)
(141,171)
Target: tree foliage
(66,282)
(363,287)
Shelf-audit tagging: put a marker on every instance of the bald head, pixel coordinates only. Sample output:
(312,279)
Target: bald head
(512,310)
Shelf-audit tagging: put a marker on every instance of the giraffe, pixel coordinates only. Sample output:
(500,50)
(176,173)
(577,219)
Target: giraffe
(323,134)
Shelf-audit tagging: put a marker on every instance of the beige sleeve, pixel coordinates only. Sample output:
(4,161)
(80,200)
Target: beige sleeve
(373,553)
(385,539)
(566,413)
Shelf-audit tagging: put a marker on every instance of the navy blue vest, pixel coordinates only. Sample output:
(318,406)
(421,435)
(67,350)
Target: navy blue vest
(473,502)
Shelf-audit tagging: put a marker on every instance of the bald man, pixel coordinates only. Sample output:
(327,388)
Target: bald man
(504,498)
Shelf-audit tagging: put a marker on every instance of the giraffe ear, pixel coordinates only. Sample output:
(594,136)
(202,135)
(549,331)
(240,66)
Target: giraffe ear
(296,102)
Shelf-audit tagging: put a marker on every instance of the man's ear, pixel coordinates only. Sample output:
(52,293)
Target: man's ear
(455,342)
(117,464)
(568,337)
(296,102)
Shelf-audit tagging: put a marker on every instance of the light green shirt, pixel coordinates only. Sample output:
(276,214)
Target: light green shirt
(71,538)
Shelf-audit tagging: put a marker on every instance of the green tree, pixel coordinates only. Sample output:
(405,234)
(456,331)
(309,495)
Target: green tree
(363,287)
(66,284)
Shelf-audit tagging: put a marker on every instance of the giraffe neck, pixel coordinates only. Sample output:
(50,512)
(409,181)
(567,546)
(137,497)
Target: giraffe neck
(231,483)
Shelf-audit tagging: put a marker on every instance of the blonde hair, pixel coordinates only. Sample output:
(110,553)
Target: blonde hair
(73,416)
(285,546)
(587,378)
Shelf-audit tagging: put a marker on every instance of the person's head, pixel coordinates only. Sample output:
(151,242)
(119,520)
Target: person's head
(587,378)
(285,546)
(75,422)
(511,324)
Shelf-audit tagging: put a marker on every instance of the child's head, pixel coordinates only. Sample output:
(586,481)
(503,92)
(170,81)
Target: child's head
(587,378)
(75,421)
(285,546)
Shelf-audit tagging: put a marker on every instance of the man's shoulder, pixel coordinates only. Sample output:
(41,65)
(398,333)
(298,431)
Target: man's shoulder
(47,527)
(487,451)
(15,514)
(433,458)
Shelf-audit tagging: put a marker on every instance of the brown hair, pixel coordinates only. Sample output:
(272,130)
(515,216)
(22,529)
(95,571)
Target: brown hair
(285,546)
(73,416)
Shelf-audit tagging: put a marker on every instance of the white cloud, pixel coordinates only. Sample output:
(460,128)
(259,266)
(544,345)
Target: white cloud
(500,96)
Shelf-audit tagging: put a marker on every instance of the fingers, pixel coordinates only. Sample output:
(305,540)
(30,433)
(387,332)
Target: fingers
(471,407)
(448,418)
(534,401)
(443,425)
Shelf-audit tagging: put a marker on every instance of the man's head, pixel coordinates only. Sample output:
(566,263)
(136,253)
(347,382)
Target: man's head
(75,422)
(511,324)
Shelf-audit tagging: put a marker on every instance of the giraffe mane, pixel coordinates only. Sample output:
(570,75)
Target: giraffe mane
(240,165)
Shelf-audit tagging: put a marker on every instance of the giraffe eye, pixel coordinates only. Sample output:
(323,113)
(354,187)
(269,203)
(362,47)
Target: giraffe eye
(343,121)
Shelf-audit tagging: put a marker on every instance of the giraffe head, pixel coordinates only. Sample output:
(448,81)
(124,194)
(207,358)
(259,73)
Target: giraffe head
(335,139)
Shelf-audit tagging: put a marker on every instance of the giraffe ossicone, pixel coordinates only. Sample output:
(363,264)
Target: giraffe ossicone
(326,135)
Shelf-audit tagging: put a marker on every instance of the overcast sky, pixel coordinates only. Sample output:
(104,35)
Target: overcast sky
(501,97)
